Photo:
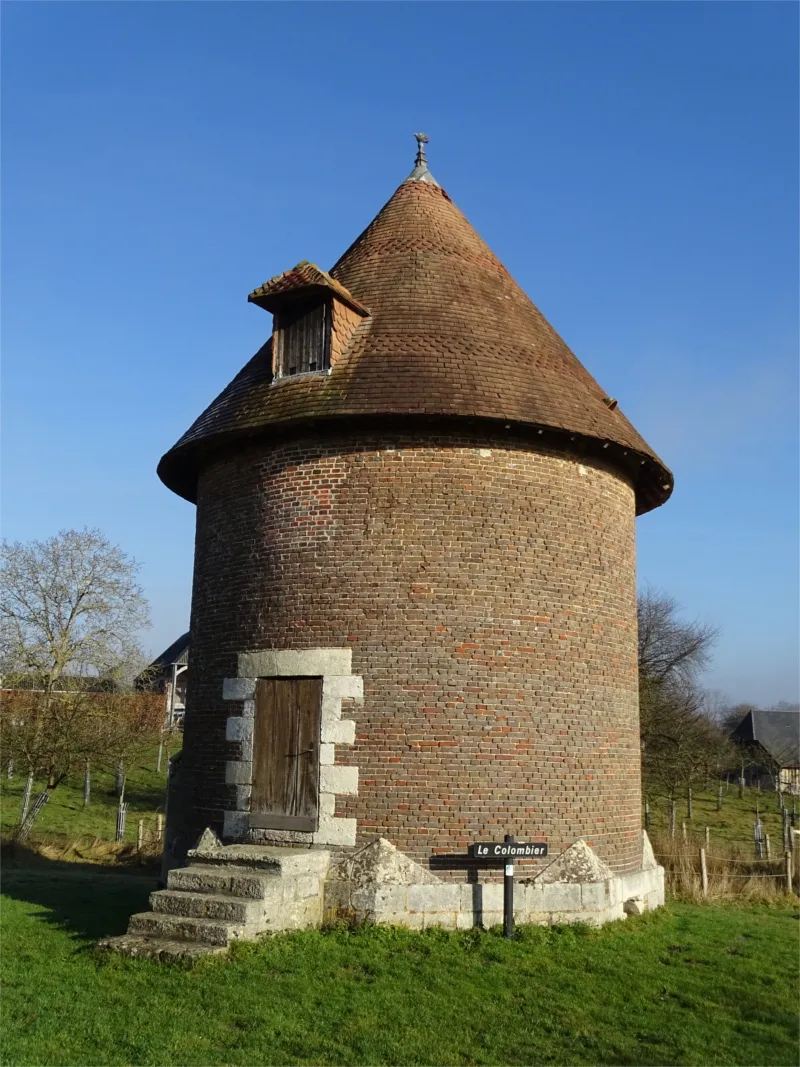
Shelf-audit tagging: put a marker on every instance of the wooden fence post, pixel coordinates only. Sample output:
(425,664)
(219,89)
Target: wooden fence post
(26,798)
(122,814)
(87,784)
(683,831)
(708,837)
(689,803)
(140,835)
(788,866)
(719,797)
(769,850)
(703,872)
(27,823)
(672,818)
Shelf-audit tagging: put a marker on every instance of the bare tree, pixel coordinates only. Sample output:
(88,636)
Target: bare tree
(70,610)
(671,649)
(681,746)
(70,606)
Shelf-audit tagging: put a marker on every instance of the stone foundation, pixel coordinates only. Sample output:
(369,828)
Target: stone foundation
(241,892)
(381,885)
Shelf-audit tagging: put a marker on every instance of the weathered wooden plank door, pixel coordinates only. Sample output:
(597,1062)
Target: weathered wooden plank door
(286,736)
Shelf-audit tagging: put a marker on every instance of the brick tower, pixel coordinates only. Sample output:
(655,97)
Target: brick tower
(415,500)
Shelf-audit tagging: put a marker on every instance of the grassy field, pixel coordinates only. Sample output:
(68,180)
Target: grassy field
(733,826)
(686,985)
(65,818)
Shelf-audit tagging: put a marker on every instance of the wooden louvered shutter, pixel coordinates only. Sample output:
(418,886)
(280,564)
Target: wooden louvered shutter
(303,336)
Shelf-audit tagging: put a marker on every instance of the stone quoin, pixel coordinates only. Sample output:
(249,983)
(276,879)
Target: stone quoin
(415,498)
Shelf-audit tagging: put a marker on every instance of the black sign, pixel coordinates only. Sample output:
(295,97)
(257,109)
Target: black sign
(495,850)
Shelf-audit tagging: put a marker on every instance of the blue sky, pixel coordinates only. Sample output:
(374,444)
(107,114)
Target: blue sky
(635,166)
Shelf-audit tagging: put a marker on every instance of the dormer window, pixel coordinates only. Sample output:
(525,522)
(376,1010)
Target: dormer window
(302,338)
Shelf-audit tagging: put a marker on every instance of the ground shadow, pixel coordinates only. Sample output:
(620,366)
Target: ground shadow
(88,900)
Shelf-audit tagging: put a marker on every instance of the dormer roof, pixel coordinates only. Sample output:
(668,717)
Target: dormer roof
(303,281)
(447,335)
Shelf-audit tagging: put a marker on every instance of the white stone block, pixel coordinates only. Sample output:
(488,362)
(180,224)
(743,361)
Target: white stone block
(534,897)
(491,897)
(327,754)
(338,731)
(412,920)
(446,920)
(335,832)
(327,805)
(465,920)
(238,688)
(343,686)
(238,772)
(249,709)
(243,793)
(235,825)
(467,897)
(388,899)
(562,896)
(238,728)
(246,751)
(433,898)
(491,918)
(257,664)
(307,887)
(593,896)
(341,780)
(300,662)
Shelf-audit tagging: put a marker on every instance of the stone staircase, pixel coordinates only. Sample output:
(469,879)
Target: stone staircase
(226,894)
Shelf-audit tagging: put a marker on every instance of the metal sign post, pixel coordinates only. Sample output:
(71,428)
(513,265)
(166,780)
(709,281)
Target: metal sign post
(493,853)
(508,892)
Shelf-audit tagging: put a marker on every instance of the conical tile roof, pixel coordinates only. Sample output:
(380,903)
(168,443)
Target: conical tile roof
(449,335)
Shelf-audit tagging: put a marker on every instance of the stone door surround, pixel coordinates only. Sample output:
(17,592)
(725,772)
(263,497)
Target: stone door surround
(333,665)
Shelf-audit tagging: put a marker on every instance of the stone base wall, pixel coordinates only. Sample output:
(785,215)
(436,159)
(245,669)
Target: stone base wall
(381,885)
(460,907)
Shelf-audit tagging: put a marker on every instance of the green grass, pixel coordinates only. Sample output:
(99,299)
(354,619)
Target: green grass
(733,826)
(65,817)
(685,985)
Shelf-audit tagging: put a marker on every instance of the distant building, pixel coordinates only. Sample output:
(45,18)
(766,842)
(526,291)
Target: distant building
(777,734)
(168,674)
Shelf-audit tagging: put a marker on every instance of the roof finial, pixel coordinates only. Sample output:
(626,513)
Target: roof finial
(420,173)
(422,140)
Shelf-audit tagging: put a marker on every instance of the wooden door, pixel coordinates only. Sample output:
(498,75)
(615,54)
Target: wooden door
(286,736)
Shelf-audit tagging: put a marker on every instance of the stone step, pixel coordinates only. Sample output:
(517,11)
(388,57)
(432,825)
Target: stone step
(160,948)
(277,860)
(233,880)
(182,928)
(206,905)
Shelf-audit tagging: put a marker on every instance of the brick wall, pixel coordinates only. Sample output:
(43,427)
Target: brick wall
(487,591)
